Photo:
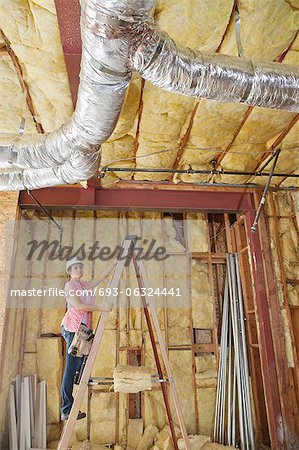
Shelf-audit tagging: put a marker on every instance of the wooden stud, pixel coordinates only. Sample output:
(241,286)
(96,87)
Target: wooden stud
(261,426)
(128,324)
(217,271)
(10,313)
(165,309)
(143,348)
(44,277)
(228,234)
(295,370)
(204,348)
(294,217)
(189,262)
(24,318)
(164,389)
(210,271)
(117,403)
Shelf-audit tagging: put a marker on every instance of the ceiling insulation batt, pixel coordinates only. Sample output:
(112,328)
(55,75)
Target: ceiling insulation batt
(119,37)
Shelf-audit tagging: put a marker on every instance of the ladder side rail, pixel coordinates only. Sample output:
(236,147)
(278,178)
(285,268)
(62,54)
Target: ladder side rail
(141,274)
(129,243)
(156,356)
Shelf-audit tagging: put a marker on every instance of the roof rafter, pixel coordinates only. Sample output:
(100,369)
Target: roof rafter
(276,143)
(22,81)
(222,155)
(185,138)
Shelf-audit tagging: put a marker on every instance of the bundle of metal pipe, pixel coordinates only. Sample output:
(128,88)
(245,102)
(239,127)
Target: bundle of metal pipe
(233,387)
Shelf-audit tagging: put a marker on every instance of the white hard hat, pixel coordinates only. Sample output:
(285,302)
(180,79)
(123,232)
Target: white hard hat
(71,262)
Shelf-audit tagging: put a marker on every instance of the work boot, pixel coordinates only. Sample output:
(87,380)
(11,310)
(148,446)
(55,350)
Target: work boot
(81,415)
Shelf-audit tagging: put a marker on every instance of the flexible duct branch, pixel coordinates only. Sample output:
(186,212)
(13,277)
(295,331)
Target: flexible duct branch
(118,36)
(218,77)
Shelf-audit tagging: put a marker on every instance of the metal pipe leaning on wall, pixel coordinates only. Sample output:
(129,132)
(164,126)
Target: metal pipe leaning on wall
(119,37)
(233,401)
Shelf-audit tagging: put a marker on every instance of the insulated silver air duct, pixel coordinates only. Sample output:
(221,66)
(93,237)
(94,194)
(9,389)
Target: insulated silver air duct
(218,77)
(72,153)
(118,36)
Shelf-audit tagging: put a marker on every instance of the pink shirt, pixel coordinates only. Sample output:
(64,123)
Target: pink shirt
(74,316)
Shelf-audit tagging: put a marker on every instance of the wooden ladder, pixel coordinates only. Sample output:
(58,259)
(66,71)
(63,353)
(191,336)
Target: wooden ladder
(128,252)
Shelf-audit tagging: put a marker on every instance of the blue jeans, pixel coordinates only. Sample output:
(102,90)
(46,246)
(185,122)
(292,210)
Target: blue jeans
(72,365)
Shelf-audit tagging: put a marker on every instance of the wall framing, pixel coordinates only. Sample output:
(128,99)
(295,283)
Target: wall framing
(240,201)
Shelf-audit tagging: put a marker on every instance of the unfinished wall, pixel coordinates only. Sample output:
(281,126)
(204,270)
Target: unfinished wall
(188,321)
(282,213)
(8,208)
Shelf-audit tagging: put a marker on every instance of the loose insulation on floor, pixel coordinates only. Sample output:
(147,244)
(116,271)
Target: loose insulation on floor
(196,442)
(163,439)
(86,445)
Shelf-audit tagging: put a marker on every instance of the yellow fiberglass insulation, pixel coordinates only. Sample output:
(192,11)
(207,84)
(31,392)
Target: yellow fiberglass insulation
(153,122)
(32,29)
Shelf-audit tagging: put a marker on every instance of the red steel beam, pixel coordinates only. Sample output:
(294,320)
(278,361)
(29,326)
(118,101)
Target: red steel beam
(139,199)
(269,371)
(68,15)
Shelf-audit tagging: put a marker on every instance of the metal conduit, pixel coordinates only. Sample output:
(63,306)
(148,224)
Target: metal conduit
(233,398)
(191,171)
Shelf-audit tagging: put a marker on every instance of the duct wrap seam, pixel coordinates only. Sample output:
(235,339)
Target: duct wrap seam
(218,77)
